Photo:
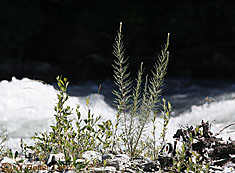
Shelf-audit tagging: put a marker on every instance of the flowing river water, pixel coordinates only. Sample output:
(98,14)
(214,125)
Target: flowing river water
(27,106)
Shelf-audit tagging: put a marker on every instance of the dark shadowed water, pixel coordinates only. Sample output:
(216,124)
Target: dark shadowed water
(182,93)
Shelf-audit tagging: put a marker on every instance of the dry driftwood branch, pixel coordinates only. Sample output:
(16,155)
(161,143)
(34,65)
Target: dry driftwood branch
(229,125)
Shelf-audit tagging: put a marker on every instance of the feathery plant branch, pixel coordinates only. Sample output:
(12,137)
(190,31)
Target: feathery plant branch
(152,92)
(157,80)
(136,97)
(122,79)
(134,112)
(136,108)
(165,116)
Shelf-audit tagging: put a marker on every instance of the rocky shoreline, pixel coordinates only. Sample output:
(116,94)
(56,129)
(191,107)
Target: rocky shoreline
(212,153)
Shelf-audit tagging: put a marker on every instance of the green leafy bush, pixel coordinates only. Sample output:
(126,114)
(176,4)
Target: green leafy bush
(88,134)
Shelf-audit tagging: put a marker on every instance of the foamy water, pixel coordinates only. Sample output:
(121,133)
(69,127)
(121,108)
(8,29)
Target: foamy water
(27,106)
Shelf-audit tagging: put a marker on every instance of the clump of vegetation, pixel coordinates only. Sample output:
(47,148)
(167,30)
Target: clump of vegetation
(138,104)
(89,133)
(135,104)
(135,107)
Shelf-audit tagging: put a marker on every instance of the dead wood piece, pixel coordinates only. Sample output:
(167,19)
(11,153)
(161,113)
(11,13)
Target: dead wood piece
(205,143)
(165,161)
(199,146)
(215,168)
(221,162)
(225,128)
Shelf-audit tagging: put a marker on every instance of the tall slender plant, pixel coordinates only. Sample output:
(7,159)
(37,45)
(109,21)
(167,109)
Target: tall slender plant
(136,103)
(3,139)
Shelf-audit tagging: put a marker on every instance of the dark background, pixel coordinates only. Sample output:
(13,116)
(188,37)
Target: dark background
(41,39)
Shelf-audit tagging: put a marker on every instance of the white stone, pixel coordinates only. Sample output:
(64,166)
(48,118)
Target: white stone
(123,156)
(104,169)
(19,159)
(92,155)
(8,160)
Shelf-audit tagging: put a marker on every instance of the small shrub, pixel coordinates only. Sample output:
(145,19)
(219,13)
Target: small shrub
(72,141)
